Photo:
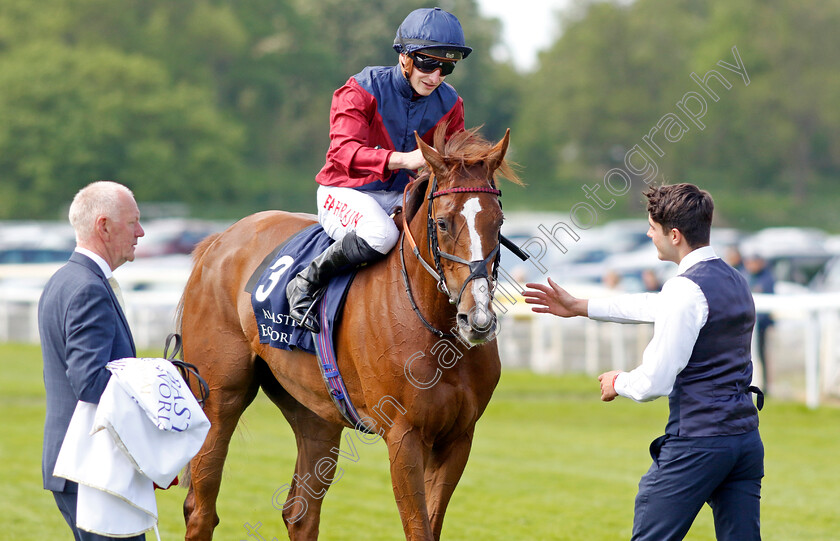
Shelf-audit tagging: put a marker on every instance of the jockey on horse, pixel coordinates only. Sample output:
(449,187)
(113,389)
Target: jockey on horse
(372,150)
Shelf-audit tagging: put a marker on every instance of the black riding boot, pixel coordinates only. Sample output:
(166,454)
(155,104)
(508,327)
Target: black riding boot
(303,290)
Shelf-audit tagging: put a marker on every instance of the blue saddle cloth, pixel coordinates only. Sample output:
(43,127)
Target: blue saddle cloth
(268,291)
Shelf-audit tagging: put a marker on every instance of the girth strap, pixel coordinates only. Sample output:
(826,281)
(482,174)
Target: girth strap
(325,352)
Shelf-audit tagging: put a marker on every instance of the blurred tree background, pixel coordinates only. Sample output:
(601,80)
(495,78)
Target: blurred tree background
(224,105)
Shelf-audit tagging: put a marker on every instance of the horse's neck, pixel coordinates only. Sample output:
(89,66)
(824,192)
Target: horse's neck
(432,303)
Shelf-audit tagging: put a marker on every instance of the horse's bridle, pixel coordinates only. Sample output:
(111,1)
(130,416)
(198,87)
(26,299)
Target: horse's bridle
(478,268)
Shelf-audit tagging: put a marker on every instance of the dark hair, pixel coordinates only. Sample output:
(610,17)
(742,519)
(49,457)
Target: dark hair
(684,207)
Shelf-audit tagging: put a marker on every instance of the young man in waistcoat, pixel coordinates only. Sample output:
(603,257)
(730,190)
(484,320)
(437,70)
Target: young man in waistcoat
(700,357)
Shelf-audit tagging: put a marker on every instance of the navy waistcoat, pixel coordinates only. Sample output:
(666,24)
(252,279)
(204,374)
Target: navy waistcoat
(711,395)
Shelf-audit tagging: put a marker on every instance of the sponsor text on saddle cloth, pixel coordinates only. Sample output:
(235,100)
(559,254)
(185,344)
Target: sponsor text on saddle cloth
(268,291)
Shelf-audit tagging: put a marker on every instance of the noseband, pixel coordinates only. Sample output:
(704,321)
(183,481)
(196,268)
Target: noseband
(478,268)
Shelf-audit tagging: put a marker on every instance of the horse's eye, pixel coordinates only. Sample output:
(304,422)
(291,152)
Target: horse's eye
(441,223)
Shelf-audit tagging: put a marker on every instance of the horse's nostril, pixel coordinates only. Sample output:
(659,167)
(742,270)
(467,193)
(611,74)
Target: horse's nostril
(463,320)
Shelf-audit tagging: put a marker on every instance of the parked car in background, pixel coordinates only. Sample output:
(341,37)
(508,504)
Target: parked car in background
(18,255)
(795,254)
(175,236)
(23,242)
(583,252)
(828,279)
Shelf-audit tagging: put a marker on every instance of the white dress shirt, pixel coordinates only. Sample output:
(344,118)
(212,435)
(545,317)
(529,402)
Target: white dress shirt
(98,259)
(678,313)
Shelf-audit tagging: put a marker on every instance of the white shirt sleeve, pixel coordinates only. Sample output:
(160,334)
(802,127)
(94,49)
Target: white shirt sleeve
(681,310)
(629,308)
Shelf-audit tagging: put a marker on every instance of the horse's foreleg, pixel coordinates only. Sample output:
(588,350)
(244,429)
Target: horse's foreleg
(223,408)
(443,471)
(407,455)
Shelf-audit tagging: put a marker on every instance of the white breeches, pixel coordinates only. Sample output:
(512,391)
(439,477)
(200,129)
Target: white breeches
(342,210)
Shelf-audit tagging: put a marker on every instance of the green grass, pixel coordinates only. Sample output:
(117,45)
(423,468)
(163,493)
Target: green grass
(550,462)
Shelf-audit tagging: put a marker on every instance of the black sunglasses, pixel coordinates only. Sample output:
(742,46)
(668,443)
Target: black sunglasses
(427,64)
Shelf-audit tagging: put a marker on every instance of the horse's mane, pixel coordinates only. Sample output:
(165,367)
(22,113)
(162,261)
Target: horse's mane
(469,147)
(466,147)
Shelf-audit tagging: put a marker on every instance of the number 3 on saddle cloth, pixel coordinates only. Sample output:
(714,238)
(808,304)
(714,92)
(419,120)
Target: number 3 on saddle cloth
(271,309)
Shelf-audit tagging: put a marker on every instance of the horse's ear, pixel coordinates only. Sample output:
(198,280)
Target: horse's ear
(433,158)
(497,155)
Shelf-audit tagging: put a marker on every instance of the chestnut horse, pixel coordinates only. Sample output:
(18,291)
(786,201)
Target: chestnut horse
(419,387)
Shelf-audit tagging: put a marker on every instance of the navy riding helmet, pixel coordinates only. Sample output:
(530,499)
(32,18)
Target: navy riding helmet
(433,30)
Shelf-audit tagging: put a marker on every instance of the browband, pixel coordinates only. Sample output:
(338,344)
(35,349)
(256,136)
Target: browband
(465,189)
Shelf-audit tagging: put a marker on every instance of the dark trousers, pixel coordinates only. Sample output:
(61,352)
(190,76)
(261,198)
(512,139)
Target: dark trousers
(723,471)
(67,505)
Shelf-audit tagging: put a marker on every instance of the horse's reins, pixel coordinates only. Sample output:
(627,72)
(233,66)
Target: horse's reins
(478,268)
(185,368)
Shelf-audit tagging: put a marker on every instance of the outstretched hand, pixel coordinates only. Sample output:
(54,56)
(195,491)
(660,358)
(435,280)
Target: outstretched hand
(553,299)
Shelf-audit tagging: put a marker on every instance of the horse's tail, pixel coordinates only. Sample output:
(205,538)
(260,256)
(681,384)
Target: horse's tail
(198,252)
(185,476)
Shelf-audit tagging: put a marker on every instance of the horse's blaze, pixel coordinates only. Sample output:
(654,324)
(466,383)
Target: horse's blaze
(480,320)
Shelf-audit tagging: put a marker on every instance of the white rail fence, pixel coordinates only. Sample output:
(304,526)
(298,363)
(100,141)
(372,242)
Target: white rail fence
(150,310)
(803,345)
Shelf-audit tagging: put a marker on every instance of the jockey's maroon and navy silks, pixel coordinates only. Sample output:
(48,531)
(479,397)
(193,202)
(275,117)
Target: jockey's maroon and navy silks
(375,114)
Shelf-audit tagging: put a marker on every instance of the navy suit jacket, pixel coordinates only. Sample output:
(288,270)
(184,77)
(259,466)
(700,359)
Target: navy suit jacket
(82,328)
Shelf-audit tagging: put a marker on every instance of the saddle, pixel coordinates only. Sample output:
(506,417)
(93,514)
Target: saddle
(267,287)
